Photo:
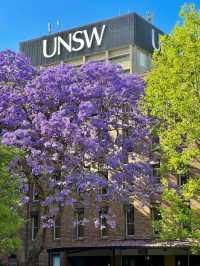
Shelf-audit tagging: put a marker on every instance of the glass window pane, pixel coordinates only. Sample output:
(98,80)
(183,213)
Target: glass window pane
(35,226)
(103,219)
(81,231)
(57,228)
(80,228)
(129,216)
(35,193)
(57,232)
(130,228)
(56,260)
(12,261)
(156,216)
(141,59)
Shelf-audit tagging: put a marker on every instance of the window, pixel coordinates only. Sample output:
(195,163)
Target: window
(104,173)
(123,60)
(57,228)
(127,71)
(182,179)
(80,228)
(35,226)
(142,59)
(56,260)
(12,260)
(103,221)
(35,193)
(104,189)
(129,145)
(186,214)
(129,220)
(156,216)
(155,140)
(156,170)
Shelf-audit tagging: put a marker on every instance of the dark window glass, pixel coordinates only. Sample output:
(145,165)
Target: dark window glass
(35,193)
(129,219)
(104,174)
(156,216)
(127,71)
(12,260)
(80,228)
(156,169)
(182,179)
(56,261)
(104,221)
(57,228)
(35,226)
(187,216)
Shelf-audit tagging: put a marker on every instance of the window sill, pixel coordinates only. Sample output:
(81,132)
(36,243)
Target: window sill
(156,235)
(129,237)
(56,239)
(80,238)
(104,237)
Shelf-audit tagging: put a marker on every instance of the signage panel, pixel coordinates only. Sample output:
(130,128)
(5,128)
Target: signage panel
(91,39)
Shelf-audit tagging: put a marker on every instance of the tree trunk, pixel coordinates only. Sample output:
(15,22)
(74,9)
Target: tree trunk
(35,249)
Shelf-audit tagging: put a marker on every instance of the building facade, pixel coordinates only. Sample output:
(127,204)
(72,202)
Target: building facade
(127,40)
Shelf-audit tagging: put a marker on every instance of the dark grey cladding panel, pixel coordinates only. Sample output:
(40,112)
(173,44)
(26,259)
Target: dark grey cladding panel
(143,34)
(119,32)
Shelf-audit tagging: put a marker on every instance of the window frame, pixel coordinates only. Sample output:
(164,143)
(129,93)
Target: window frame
(155,217)
(79,222)
(103,171)
(33,227)
(12,260)
(104,222)
(127,209)
(35,193)
(183,176)
(142,59)
(55,227)
(55,255)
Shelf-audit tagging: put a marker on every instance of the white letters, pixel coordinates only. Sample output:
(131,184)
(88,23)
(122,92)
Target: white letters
(68,46)
(82,40)
(153,41)
(78,40)
(45,48)
(95,35)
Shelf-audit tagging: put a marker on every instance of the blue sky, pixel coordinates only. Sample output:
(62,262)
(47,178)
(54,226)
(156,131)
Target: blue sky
(26,19)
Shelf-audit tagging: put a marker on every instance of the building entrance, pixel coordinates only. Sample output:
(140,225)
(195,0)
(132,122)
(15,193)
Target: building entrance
(143,261)
(90,261)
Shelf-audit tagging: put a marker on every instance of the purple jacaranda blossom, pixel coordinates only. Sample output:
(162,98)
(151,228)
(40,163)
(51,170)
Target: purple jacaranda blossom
(78,128)
(15,68)
(112,223)
(24,200)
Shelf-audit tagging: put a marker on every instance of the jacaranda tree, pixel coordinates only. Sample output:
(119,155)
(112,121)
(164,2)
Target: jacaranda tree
(74,124)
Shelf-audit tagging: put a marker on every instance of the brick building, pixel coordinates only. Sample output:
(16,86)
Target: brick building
(127,40)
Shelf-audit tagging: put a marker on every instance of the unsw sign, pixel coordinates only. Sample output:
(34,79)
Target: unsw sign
(77,41)
(80,39)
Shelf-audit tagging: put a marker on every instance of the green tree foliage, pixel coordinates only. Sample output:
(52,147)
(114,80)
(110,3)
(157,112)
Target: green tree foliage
(173,91)
(173,100)
(10,220)
(180,218)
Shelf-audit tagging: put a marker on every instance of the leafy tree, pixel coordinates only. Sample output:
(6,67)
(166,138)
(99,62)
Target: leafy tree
(74,124)
(10,219)
(172,98)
